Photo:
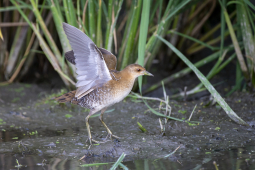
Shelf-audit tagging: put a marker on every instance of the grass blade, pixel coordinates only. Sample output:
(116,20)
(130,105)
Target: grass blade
(153,43)
(56,3)
(109,46)
(72,13)
(132,33)
(141,127)
(235,43)
(92,24)
(222,29)
(246,31)
(58,23)
(99,18)
(116,164)
(193,39)
(51,56)
(143,37)
(183,72)
(45,30)
(66,11)
(22,61)
(52,59)
(250,4)
(11,8)
(160,114)
(109,22)
(216,69)
(177,9)
(207,84)
(95,164)
(16,48)
(123,166)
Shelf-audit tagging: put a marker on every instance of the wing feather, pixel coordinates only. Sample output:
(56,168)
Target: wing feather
(90,65)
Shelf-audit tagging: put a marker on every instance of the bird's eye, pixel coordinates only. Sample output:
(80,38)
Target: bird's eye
(138,69)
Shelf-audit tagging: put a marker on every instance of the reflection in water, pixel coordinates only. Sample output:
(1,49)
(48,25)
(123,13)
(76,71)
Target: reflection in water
(239,158)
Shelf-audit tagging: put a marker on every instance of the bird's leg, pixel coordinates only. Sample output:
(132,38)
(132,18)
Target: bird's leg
(88,129)
(108,130)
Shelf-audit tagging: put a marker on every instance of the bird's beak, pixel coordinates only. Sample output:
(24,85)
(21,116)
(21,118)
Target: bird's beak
(147,73)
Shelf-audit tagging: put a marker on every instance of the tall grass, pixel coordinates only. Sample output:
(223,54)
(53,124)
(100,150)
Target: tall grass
(143,36)
(208,85)
(130,29)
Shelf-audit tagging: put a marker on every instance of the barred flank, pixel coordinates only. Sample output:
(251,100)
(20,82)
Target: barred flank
(66,97)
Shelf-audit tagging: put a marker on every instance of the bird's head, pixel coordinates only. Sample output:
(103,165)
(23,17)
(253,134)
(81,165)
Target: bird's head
(135,70)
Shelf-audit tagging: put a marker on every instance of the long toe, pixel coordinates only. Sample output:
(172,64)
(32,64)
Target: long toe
(110,135)
(116,137)
(98,142)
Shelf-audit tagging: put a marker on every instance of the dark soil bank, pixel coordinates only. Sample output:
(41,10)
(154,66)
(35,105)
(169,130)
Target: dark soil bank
(32,131)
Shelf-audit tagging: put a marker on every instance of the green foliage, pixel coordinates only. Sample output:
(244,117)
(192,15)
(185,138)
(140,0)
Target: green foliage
(130,29)
(129,34)
(141,127)
(207,84)
(143,36)
(182,111)
(192,124)
(68,115)
(217,128)
(118,162)
(94,164)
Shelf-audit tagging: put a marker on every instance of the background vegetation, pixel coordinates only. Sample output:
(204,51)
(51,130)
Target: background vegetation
(134,30)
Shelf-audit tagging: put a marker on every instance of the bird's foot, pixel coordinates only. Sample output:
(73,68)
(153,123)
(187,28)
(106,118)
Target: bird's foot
(110,135)
(98,142)
(95,141)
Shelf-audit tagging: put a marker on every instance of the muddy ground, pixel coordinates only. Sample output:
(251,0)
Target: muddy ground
(32,125)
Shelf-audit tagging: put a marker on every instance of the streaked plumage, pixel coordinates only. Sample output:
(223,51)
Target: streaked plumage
(99,85)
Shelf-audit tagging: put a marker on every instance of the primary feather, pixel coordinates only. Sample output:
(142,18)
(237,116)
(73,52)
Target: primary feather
(91,68)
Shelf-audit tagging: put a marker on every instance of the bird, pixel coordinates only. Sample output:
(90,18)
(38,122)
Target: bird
(99,85)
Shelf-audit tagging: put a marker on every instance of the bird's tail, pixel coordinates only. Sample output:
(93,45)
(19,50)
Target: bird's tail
(67,97)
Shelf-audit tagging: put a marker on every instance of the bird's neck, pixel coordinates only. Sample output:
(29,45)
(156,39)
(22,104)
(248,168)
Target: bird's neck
(126,78)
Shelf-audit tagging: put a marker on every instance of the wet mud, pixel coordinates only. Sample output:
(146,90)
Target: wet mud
(34,129)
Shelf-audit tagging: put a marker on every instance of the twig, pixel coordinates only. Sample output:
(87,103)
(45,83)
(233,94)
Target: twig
(172,152)
(162,129)
(179,162)
(169,154)
(84,12)
(185,93)
(122,24)
(13,24)
(167,100)
(82,157)
(215,164)
(204,19)
(192,112)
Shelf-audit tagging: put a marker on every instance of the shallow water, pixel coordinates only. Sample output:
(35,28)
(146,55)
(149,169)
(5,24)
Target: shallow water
(41,134)
(233,159)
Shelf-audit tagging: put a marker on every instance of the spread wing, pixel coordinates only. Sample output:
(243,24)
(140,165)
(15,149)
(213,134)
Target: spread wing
(91,68)
(109,58)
